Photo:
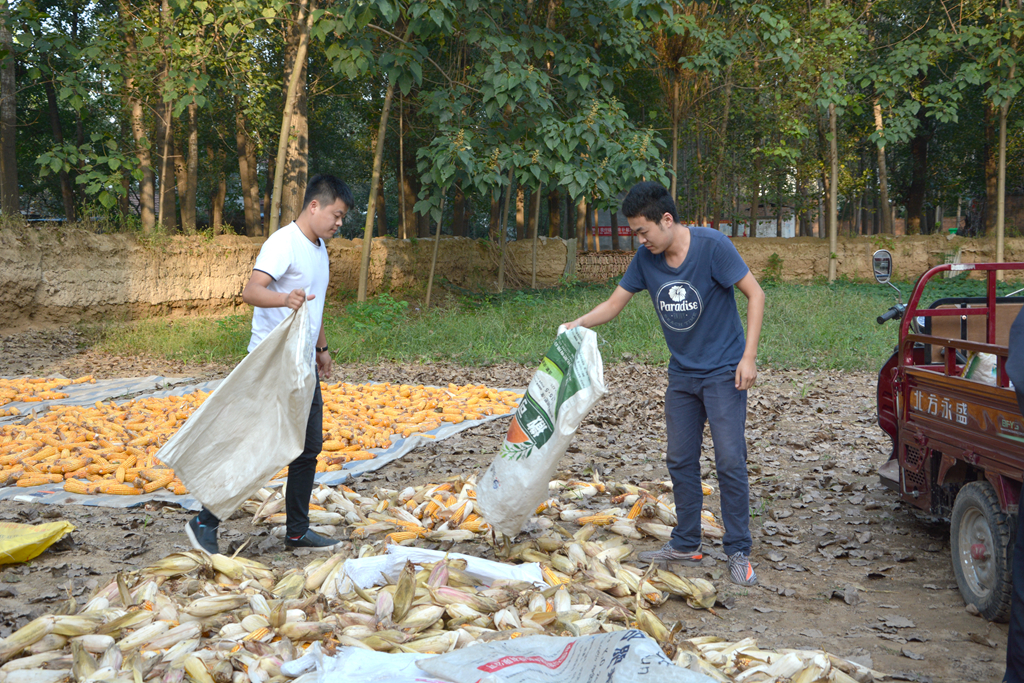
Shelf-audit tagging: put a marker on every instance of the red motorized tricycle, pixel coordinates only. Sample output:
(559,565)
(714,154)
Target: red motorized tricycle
(957,432)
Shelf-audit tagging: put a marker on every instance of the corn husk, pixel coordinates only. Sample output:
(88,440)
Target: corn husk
(226,619)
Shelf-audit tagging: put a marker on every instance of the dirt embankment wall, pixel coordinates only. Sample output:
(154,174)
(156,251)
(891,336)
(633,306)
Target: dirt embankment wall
(806,258)
(52,277)
(59,276)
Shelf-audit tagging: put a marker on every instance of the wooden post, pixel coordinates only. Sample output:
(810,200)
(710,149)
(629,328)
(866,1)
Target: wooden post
(433,260)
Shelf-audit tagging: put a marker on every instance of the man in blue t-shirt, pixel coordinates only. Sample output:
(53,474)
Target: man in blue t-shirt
(690,273)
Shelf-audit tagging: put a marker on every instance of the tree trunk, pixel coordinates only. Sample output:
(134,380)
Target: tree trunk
(296,165)
(242,144)
(583,224)
(675,137)
(520,213)
(918,178)
(188,201)
(614,214)
(459,214)
(403,229)
(433,258)
(378,160)
(147,209)
(991,170)
(9,199)
(883,176)
(555,213)
(833,216)
(531,226)
(875,215)
(304,19)
(147,189)
(181,182)
(755,200)
(857,223)
(423,225)
(720,168)
(268,189)
(778,208)
(735,201)
(166,215)
(1001,188)
(534,220)
(382,209)
(66,192)
(410,189)
(502,233)
(219,193)
(494,224)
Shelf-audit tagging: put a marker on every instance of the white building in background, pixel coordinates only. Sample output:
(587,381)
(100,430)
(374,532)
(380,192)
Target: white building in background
(766,227)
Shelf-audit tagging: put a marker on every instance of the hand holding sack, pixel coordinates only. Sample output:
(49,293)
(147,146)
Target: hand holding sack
(568,383)
(252,425)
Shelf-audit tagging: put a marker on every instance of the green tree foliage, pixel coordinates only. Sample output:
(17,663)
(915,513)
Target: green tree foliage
(572,100)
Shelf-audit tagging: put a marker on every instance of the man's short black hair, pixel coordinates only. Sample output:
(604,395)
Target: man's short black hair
(326,189)
(650,200)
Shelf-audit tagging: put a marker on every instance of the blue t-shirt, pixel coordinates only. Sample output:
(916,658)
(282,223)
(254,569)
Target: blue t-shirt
(695,302)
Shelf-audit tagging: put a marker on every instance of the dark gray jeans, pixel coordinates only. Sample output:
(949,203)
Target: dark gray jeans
(689,402)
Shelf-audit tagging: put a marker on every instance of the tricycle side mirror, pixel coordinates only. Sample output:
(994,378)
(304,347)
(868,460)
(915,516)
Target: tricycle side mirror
(881,264)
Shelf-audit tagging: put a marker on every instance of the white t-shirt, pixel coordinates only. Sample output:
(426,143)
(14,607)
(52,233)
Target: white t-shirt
(294,263)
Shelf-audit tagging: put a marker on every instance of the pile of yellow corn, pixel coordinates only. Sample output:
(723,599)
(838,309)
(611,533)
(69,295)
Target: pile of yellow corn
(231,619)
(110,449)
(33,390)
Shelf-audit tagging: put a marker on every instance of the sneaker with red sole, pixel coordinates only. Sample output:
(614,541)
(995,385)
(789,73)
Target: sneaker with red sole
(740,570)
(667,555)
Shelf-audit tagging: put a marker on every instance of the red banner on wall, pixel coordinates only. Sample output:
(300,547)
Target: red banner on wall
(606,231)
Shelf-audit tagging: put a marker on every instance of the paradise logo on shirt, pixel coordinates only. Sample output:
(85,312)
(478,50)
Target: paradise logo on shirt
(679,305)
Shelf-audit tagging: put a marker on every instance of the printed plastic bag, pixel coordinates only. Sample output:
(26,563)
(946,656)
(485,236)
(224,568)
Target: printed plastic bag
(252,425)
(22,542)
(568,383)
(982,367)
(618,657)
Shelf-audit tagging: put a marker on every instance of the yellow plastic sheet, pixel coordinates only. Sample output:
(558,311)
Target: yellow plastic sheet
(22,542)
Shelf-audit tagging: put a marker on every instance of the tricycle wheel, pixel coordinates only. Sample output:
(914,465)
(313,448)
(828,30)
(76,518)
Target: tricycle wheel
(979,539)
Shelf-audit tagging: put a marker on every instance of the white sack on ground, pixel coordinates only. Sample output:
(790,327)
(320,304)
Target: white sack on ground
(619,657)
(568,383)
(252,425)
(375,570)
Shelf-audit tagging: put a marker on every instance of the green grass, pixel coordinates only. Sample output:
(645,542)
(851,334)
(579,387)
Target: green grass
(806,326)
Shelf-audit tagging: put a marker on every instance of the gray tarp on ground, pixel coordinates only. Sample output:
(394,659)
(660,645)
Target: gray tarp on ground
(144,387)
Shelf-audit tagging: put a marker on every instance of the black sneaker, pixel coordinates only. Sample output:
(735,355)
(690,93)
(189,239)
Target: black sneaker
(310,539)
(202,537)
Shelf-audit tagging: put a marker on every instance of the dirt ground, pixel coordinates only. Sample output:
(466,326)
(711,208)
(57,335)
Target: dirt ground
(842,564)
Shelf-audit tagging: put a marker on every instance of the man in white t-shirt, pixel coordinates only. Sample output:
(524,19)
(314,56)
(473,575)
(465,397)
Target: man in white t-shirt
(292,268)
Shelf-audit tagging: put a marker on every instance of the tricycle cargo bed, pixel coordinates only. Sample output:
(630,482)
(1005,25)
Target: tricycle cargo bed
(958,442)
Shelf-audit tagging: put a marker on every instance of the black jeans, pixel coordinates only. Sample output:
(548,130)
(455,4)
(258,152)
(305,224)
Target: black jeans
(689,402)
(301,472)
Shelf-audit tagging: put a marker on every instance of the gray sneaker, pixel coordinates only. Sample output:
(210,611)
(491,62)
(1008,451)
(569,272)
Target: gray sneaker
(667,555)
(740,570)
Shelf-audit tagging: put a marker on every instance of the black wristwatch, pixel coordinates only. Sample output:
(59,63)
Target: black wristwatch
(321,349)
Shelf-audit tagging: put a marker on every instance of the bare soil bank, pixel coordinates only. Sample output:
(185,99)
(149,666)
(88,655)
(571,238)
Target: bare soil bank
(52,277)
